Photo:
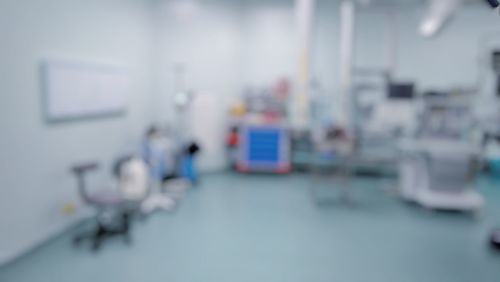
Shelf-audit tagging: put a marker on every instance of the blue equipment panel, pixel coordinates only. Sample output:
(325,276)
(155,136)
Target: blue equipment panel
(265,145)
(264,148)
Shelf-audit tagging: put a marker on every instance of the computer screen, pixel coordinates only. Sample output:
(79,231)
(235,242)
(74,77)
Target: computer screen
(401,91)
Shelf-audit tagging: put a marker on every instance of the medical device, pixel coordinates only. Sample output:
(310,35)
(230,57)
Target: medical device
(438,168)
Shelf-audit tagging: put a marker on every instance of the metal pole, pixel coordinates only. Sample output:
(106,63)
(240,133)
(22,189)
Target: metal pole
(304,10)
(347,29)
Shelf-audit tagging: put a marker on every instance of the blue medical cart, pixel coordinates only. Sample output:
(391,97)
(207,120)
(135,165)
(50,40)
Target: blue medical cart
(264,148)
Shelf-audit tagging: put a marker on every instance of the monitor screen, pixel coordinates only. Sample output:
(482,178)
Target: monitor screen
(401,90)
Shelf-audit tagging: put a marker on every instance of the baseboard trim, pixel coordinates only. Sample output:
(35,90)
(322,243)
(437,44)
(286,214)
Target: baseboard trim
(10,258)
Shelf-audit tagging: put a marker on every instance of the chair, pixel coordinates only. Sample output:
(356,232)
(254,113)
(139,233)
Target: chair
(115,207)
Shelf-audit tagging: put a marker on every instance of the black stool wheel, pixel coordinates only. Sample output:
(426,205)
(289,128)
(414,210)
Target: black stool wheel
(495,239)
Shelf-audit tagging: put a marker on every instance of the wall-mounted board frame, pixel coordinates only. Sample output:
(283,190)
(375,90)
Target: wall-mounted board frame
(74,90)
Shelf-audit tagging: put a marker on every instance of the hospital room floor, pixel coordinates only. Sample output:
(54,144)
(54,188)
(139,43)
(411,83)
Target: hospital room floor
(266,228)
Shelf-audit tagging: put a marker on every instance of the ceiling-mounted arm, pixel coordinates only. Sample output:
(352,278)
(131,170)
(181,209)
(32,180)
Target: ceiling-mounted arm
(439,13)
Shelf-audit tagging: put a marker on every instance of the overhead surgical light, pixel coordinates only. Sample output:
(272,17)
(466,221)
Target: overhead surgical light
(438,14)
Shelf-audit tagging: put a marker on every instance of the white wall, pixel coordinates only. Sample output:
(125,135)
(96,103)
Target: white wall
(268,42)
(35,157)
(205,37)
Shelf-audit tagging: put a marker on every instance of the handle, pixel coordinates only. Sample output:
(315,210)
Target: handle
(84,167)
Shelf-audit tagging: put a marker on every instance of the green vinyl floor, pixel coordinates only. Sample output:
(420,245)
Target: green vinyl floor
(259,228)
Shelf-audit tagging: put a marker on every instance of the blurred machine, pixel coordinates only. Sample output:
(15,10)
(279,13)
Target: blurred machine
(383,111)
(440,174)
(438,168)
(259,138)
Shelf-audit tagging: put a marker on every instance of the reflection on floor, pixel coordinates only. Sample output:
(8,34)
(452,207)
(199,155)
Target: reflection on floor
(267,228)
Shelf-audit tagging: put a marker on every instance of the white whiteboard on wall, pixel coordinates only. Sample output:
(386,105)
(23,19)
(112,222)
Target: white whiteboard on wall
(76,90)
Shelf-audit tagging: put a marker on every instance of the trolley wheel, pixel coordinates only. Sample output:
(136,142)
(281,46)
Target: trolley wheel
(495,240)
